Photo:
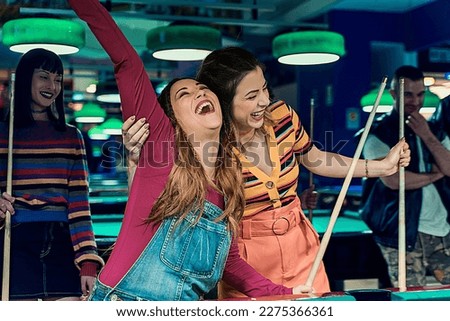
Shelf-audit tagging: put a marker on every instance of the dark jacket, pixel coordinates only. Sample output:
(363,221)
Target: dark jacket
(440,121)
(380,204)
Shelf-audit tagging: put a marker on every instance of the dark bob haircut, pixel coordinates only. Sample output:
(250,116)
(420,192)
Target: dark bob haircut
(31,60)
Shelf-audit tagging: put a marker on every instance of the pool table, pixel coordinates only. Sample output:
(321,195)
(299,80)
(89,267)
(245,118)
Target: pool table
(351,252)
(329,296)
(106,228)
(429,293)
(426,293)
(348,224)
(108,194)
(110,203)
(419,293)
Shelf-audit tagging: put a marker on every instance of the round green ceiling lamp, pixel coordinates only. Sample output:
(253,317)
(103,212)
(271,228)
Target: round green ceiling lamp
(112,126)
(308,47)
(368,100)
(90,113)
(183,42)
(60,36)
(430,103)
(96,133)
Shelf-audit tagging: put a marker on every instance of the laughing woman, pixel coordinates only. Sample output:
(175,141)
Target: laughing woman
(53,250)
(176,239)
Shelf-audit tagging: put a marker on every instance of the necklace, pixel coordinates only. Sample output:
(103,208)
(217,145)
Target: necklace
(38,111)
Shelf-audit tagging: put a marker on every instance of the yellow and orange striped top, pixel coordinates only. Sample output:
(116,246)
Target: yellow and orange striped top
(285,140)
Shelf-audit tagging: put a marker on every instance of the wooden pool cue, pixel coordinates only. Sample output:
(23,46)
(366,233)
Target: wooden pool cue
(401,197)
(7,242)
(311,135)
(337,208)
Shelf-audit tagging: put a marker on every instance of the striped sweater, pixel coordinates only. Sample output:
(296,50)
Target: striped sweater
(286,140)
(49,181)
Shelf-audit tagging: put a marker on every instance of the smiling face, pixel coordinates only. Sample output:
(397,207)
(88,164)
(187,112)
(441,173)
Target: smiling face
(45,87)
(250,101)
(414,95)
(195,107)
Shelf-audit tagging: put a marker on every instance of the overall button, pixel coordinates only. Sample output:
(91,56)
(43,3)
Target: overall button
(114,297)
(270,184)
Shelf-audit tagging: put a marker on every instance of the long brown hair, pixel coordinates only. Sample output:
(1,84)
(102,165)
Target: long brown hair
(186,188)
(223,70)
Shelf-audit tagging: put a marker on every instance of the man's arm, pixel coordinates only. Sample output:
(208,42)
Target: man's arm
(440,153)
(412,180)
(374,148)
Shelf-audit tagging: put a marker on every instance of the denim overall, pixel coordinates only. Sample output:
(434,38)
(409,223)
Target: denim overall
(183,261)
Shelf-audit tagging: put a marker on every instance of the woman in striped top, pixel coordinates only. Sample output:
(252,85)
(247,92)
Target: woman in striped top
(275,237)
(53,250)
(177,236)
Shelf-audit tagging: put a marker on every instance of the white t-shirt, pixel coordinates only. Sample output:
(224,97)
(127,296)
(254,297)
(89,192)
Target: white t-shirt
(433,214)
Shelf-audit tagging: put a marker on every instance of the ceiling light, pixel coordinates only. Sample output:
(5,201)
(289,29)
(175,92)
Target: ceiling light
(90,113)
(430,102)
(308,47)
(109,98)
(429,81)
(183,42)
(96,133)
(153,64)
(112,126)
(368,100)
(60,36)
(107,92)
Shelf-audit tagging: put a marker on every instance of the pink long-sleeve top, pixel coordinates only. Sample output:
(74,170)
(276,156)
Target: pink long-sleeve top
(139,98)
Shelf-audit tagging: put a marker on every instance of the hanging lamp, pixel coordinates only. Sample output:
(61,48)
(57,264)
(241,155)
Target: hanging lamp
(158,65)
(308,47)
(368,100)
(183,42)
(58,35)
(430,103)
(96,133)
(112,126)
(90,113)
(107,91)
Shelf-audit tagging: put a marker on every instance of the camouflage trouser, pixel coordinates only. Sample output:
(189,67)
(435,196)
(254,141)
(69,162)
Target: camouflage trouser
(431,254)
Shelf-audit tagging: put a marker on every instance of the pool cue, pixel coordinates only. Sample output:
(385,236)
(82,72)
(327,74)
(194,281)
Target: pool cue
(337,208)
(311,175)
(7,242)
(401,198)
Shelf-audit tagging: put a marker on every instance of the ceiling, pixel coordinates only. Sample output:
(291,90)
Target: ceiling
(248,23)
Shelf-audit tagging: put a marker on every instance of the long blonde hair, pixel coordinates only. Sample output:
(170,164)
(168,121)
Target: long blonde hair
(188,183)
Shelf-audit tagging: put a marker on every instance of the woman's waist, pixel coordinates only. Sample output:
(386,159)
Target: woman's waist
(255,207)
(40,215)
(272,222)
